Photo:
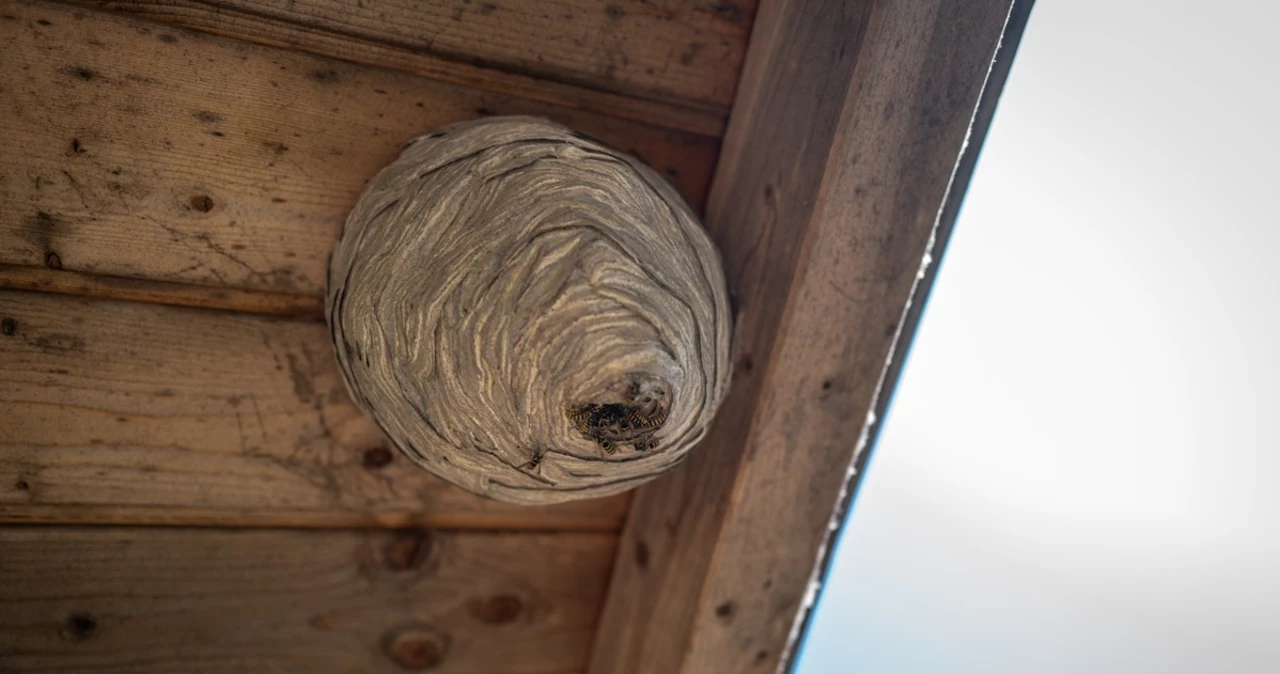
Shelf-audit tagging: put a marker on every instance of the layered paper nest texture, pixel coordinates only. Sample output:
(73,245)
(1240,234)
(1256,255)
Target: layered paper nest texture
(529,314)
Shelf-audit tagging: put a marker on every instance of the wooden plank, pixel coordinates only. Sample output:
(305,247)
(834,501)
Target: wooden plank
(169,155)
(1015,26)
(138,413)
(136,600)
(672,64)
(840,152)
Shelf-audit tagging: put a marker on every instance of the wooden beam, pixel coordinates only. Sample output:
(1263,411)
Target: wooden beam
(117,412)
(152,152)
(673,64)
(1014,27)
(841,149)
(141,601)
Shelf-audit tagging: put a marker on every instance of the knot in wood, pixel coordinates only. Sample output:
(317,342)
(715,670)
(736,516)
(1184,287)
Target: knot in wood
(417,648)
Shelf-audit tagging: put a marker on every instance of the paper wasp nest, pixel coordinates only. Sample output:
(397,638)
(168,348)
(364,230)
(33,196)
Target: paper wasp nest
(529,314)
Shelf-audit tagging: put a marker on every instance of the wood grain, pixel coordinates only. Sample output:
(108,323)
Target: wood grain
(672,64)
(847,127)
(136,413)
(137,601)
(168,155)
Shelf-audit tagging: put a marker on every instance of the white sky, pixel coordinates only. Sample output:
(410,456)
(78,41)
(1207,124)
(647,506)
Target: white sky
(1079,471)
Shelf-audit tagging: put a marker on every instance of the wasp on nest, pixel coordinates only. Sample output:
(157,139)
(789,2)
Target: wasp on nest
(635,421)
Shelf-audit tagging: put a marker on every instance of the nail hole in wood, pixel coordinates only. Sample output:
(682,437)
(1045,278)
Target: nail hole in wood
(79,626)
(376,458)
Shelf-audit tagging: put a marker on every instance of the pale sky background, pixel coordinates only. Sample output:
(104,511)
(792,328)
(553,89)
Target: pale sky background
(1079,472)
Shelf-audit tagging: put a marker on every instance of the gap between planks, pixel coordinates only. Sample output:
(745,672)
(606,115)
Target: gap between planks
(14,277)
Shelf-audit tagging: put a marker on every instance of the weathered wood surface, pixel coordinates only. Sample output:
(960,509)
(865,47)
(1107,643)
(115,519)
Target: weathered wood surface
(139,413)
(157,153)
(849,121)
(136,600)
(672,64)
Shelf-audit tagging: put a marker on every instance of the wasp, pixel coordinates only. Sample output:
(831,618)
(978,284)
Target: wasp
(651,422)
(535,462)
(582,417)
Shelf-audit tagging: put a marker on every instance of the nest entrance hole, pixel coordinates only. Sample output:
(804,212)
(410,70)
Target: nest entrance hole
(635,419)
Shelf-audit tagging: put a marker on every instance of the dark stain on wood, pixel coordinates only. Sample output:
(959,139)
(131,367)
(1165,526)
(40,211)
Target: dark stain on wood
(303,387)
(81,73)
(642,555)
(8,327)
(691,52)
(41,229)
(325,75)
(729,12)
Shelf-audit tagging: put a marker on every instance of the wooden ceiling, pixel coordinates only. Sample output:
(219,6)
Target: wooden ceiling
(184,485)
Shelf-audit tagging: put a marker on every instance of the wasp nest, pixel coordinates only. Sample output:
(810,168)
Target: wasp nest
(529,314)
